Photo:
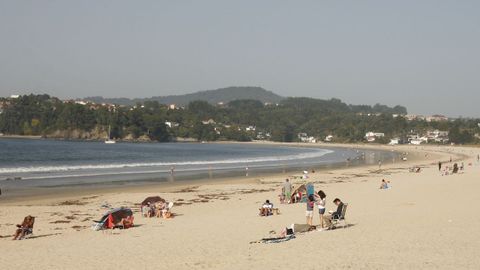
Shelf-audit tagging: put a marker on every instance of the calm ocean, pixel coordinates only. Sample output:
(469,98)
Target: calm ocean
(55,163)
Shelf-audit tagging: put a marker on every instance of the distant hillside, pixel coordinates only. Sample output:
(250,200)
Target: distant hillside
(212,96)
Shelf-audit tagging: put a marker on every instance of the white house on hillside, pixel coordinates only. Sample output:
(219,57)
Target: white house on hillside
(372,136)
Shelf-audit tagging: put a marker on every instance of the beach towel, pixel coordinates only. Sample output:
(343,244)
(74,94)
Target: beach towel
(274,240)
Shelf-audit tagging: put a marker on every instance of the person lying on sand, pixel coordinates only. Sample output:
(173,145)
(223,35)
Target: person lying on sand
(297,228)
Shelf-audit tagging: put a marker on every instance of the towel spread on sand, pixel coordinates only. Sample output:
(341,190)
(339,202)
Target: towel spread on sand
(274,240)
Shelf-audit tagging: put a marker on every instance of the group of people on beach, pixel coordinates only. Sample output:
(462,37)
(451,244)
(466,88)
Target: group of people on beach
(312,199)
(447,170)
(158,209)
(326,221)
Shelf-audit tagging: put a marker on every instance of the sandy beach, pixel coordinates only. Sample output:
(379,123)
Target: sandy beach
(425,221)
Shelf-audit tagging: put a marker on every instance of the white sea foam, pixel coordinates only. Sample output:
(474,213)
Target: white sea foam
(52,169)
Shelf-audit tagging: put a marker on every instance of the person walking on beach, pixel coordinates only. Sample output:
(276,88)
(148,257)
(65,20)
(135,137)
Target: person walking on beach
(310,205)
(379,164)
(287,189)
(439,166)
(321,201)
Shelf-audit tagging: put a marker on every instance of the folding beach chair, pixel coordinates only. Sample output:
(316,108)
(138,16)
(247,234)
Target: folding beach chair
(167,212)
(25,230)
(338,219)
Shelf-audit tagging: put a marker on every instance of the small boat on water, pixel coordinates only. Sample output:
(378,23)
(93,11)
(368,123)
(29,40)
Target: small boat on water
(109,140)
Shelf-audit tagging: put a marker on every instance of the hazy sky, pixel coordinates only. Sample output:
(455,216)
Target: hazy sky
(421,54)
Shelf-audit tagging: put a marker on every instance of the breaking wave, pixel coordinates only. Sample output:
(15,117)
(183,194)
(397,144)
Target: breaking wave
(88,167)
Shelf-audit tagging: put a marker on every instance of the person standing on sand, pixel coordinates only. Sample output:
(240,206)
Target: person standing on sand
(379,164)
(310,205)
(321,201)
(439,166)
(287,189)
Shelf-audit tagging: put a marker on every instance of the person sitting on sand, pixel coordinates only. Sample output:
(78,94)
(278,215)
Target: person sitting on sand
(384,184)
(25,228)
(146,210)
(297,228)
(159,207)
(297,197)
(266,209)
(334,215)
(126,223)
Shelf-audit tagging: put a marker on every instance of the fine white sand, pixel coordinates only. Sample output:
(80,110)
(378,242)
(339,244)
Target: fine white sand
(426,221)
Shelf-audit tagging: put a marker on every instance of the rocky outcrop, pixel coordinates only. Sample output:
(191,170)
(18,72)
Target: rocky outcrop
(77,134)
(97,134)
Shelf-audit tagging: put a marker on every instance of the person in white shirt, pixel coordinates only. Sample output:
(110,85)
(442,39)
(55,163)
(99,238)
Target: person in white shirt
(266,209)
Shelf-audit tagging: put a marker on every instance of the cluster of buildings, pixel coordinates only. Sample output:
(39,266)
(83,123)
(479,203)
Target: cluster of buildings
(303,137)
(434,136)
(4,102)
(431,118)
(373,136)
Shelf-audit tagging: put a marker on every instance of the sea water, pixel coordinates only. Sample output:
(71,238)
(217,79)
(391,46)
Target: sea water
(57,163)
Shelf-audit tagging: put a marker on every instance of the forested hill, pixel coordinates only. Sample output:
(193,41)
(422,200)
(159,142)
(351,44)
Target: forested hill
(224,95)
(240,120)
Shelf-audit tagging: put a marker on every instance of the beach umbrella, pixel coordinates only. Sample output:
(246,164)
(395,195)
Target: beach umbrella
(152,200)
(113,216)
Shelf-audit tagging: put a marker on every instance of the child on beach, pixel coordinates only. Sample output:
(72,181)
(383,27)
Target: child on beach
(321,201)
(310,205)
(384,184)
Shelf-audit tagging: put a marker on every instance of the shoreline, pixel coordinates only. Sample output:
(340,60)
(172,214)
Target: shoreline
(32,194)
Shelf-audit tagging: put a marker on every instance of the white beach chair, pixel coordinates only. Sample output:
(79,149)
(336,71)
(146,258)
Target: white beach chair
(167,212)
(336,221)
